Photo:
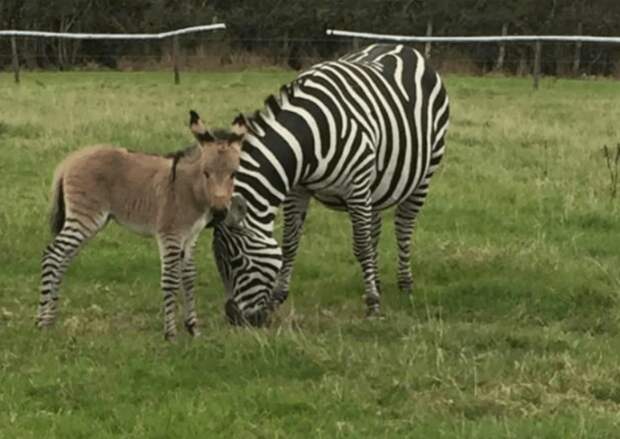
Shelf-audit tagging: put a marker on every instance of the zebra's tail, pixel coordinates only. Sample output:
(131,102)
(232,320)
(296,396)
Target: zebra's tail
(57,208)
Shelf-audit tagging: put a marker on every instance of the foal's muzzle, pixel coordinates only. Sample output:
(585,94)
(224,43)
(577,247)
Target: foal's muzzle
(217,216)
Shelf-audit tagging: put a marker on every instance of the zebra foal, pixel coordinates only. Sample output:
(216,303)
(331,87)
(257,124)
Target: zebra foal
(170,197)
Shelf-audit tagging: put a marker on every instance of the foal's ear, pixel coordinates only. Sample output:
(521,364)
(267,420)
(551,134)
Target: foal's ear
(239,125)
(237,212)
(235,142)
(198,128)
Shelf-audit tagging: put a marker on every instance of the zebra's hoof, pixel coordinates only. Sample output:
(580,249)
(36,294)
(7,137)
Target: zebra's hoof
(374,314)
(406,287)
(170,337)
(407,291)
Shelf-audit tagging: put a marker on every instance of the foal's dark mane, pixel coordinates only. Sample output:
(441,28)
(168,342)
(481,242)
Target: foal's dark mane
(176,157)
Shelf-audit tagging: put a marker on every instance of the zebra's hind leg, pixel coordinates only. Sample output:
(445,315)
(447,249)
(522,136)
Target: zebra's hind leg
(404,222)
(170,253)
(375,233)
(294,210)
(56,259)
(359,208)
(188,278)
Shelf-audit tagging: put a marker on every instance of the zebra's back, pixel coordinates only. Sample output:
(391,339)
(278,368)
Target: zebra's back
(383,104)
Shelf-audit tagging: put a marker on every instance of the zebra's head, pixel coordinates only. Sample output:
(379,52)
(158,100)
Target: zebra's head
(248,262)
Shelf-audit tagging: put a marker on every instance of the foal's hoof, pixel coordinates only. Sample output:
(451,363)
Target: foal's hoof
(42,325)
(192,328)
(374,314)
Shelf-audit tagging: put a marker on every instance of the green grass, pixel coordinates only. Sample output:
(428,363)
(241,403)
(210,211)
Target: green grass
(513,330)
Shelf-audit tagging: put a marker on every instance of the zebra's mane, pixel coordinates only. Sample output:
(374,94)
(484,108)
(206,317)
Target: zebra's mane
(272,106)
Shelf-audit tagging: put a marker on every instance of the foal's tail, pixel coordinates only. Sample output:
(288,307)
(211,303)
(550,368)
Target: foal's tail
(57,208)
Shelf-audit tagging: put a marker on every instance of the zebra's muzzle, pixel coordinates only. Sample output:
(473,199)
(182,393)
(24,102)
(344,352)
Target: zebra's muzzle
(236,317)
(217,216)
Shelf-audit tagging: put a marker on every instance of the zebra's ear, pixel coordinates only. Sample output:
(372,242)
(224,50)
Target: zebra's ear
(197,127)
(240,125)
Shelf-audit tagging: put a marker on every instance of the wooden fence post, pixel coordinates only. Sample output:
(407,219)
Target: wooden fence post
(499,65)
(577,59)
(175,58)
(15,59)
(428,45)
(537,61)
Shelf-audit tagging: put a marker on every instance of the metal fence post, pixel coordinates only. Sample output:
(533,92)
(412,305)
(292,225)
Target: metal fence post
(537,56)
(175,58)
(15,59)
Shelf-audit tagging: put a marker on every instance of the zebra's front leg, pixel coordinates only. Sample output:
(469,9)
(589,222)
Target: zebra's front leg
(170,252)
(361,218)
(188,274)
(294,210)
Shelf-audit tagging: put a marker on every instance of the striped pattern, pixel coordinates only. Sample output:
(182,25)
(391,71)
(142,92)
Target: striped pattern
(360,134)
(177,268)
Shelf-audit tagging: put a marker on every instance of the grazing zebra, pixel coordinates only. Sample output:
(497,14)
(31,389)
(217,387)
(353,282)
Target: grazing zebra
(171,197)
(361,134)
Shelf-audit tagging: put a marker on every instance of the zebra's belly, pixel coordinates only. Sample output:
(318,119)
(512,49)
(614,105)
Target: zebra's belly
(336,199)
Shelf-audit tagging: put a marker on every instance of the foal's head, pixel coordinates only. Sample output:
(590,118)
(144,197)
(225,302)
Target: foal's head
(219,160)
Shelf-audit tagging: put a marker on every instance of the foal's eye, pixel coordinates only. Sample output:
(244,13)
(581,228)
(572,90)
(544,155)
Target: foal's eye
(206,174)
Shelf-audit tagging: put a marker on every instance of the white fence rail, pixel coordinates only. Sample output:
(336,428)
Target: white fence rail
(536,39)
(477,39)
(85,36)
(82,36)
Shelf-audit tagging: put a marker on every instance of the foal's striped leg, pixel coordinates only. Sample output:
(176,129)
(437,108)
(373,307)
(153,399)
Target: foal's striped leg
(188,275)
(170,253)
(56,259)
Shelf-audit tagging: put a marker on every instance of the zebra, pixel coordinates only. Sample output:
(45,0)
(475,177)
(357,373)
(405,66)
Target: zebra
(359,134)
(171,197)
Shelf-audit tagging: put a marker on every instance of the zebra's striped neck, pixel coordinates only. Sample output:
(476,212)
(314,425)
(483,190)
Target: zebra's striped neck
(273,159)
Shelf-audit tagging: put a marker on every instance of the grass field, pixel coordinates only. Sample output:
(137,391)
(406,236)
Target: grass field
(513,330)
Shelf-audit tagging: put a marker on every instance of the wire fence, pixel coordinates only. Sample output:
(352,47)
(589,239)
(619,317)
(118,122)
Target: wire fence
(198,48)
(173,35)
(537,40)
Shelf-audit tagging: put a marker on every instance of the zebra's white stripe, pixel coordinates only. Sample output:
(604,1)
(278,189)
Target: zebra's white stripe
(343,118)
(390,116)
(343,83)
(418,119)
(331,123)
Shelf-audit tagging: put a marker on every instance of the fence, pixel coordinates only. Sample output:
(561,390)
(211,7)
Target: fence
(85,36)
(536,39)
